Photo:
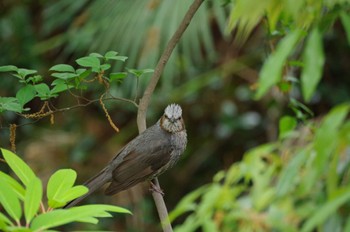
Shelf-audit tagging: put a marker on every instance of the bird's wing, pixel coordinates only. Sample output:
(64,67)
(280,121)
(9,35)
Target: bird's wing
(139,165)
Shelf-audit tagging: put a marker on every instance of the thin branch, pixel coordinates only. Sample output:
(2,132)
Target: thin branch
(144,102)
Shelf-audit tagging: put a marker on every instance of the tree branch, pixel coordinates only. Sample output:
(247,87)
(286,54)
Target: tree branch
(144,102)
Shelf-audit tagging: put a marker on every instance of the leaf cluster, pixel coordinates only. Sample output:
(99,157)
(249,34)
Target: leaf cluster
(299,183)
(24,205)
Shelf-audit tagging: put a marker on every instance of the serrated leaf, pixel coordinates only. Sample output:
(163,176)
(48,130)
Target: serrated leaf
(271,71)
(89,61)
(117,76)
(10,201)
(18,166)
(26,94)
(32,199)
(86,213)
(8,68)
(313,58)
(17,188)
(62,68)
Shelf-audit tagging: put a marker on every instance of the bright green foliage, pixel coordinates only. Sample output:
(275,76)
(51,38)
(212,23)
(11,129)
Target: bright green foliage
(290,19)
(65,78)
(25,198)
(299,183)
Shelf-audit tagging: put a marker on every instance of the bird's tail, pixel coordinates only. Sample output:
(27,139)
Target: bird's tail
(92,184)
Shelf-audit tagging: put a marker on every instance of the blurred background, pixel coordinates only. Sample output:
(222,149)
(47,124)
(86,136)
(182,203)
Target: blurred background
(212,76)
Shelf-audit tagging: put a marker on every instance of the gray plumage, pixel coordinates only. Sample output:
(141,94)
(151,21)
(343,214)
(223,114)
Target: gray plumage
(145,157)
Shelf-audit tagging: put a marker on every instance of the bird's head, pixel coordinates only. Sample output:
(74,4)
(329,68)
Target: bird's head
(171,120)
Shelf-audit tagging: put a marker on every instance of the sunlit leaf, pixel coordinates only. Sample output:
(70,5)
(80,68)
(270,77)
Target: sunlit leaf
(18,166)
(313,64)
(10,201)
(271,71)
(32,200)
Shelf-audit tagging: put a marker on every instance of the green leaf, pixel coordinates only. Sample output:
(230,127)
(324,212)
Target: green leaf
(139,72)
(117,76)
(271,71)
(34,79)
(64,76)
(5,219)
(17,188)
(32,199)
(326,136)
(58,186)
(10,104)
(325,211)
(89,61)
(8,68)
(286,125)
(86,213)
(75,192)
(105,67)
(345,19)
(110,54)
(289,175)
(43,91)
(94,54)
(62,68)
(20,168)
(60,86)
(313,58)
(10,201)
(26,94)
(25,72)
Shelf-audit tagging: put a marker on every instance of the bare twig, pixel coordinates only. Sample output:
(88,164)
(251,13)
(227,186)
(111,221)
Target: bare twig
(144,102)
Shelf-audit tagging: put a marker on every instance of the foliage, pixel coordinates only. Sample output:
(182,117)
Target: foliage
(66,78)
(299,183)
(300,26)
(24,200)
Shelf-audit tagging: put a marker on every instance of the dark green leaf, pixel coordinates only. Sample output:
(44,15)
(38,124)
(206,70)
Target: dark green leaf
(62,68)
(60,86)
(313,64)
(8,68)
(18,166)
(26,94)
(271,71)
(33,197)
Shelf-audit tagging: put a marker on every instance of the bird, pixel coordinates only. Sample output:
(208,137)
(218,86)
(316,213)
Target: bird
(145,157)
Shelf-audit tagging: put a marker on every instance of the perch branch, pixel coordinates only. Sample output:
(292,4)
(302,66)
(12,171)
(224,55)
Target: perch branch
(144,102)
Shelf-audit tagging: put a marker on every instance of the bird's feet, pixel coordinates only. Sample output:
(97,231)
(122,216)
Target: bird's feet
(155,188)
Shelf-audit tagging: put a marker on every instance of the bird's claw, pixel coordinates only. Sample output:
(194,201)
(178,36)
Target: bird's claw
(155,188)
